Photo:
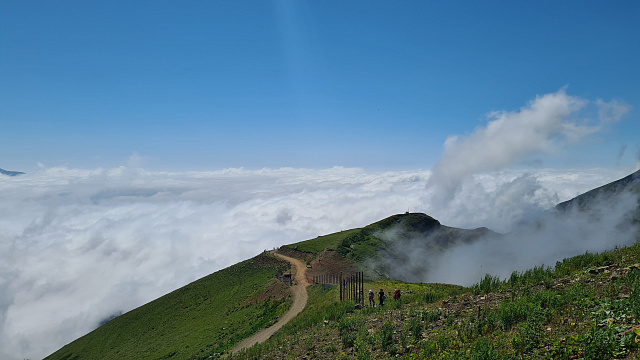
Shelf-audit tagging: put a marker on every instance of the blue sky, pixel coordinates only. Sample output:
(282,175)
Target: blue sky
(204,85)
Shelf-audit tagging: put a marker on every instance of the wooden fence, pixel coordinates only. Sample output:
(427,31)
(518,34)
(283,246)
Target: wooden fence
(351,286)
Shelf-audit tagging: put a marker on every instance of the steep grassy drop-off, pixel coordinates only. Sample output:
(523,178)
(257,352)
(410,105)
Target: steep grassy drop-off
(205,317)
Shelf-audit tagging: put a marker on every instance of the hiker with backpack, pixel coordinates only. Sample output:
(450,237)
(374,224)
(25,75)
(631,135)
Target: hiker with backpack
(372,301)
(396,294)
(381,297)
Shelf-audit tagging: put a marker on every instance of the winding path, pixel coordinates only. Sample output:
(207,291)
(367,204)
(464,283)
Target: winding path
(300,298)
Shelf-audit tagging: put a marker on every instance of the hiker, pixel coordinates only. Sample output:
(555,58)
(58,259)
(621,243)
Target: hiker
(381,297)
(372,301)
(396,294)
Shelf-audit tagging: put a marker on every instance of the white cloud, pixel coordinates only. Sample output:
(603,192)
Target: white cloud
(612,111)
(545,125)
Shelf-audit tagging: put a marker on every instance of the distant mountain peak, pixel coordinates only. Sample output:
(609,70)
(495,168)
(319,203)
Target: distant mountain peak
(628,185)
(10,173)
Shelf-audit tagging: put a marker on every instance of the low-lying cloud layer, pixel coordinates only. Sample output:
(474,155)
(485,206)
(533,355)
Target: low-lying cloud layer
(78,246)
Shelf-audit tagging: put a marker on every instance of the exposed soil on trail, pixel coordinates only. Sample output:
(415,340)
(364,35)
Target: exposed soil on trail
(300,298)
(327,262)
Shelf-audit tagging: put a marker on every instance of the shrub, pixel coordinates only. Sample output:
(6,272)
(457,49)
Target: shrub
(513,312)
(386,336)
(415,328)
(362,349)
(600,344)
(347,328)
(488,284)
(483,350)
(528,339)
(432,297)
(633,278)
(429,316)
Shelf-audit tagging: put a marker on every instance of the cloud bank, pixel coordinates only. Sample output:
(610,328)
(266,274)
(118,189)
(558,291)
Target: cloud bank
(78,246)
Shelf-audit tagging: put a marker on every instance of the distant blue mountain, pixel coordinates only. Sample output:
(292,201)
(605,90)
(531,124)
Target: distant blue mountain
(10,173)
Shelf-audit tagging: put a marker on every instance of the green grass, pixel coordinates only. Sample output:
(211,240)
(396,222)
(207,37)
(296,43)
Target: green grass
(542,313)
(203,318)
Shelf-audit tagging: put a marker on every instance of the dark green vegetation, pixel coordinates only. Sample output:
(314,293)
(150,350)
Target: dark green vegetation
(315,246)
(375,247)
(203,318)
(625,189)
(585,307)
(366,240)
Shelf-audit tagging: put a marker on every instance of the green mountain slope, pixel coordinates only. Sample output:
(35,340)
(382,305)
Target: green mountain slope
(203,318)
(606,197)
(627,186)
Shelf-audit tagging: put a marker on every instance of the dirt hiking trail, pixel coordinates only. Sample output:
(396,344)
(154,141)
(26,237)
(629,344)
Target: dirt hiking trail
(300,298)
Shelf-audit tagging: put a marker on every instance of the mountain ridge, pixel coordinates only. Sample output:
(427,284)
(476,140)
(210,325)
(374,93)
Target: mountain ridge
(10,173)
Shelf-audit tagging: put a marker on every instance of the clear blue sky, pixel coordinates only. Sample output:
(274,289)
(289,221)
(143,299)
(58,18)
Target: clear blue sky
(195,85)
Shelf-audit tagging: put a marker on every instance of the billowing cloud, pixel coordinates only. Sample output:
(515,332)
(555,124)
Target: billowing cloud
(544,125)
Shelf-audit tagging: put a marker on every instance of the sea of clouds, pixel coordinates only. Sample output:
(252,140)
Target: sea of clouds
(78,246)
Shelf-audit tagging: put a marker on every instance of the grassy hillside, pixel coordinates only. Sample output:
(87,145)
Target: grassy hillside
(585,307)
(203,318)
